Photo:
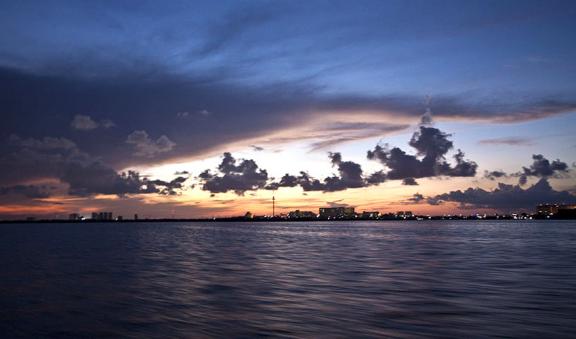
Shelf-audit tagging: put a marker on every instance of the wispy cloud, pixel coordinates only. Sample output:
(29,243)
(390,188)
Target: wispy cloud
(508,141)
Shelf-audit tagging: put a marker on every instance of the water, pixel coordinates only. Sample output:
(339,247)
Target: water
(360,279)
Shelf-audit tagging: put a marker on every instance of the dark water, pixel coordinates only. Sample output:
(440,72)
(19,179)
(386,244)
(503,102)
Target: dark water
(362,279)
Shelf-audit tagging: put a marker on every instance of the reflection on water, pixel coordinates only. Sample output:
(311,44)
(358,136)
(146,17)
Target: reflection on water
(361,279)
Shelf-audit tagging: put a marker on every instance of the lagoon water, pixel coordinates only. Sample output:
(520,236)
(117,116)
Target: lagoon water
(244,280)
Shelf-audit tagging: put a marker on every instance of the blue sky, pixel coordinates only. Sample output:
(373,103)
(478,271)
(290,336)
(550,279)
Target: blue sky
(141,85)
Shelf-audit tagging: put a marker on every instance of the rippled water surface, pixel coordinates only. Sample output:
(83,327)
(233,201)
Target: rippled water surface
(349,279)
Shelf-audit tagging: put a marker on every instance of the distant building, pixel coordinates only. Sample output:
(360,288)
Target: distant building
(404,214)
(547,209)
(74,216)
(567,211)
(297,214)
(337,212)
(557,210)
(135,216)
(370,215)
(102,216)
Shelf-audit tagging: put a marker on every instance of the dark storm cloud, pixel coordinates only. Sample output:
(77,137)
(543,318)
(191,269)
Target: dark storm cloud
(431,147)
(506,197)
(232,175)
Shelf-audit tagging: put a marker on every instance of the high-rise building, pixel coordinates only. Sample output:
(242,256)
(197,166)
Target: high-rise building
(370,215)
(337,212)
(297,214)
(102,216)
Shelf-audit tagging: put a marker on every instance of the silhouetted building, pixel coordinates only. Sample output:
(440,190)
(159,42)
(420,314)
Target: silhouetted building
(404,214)
(370,215)
(135,216)
(102,216)
(74,216)
(297,214)
(557,210)
(547,209)
(337,212)
(567,211)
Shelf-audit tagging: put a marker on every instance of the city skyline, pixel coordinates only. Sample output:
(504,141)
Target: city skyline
(194,110)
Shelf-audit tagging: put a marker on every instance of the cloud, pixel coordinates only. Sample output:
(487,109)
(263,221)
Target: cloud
(287,180)
(203,113)
(506,197)
(44,144)
(416,198)
(542,168)
(86,123)
(61,158)
(28,191)
(431,147)
(409,182)
(234,24)
(96,178)
(182,115)
(376,178)
(146,147)
(232,175)
(173,187)
(245,111)
(83,122)
(508,141)
(331,134)
(493,175)
(350,175)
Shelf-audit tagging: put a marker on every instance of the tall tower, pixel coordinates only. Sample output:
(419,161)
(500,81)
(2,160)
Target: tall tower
(273,206)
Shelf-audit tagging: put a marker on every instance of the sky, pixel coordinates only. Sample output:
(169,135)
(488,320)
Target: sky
(210,108)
